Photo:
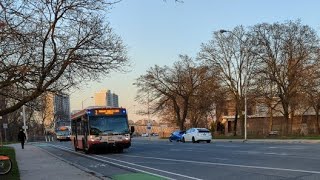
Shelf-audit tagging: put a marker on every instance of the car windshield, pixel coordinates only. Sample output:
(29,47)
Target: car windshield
(108,124)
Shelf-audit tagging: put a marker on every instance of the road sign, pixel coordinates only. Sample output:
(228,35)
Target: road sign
(5,125)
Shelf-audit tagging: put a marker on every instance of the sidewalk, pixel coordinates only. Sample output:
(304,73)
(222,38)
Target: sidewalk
(37,164)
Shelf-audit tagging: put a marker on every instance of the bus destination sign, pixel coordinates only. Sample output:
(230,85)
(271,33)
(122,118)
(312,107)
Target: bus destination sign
(107,111)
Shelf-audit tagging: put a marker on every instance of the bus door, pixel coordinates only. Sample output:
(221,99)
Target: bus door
(85,130)
(74,130)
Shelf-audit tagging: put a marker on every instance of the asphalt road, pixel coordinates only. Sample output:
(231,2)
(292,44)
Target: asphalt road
(217,160)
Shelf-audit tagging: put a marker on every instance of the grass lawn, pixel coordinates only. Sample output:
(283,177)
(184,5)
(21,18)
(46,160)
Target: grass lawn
(14,173)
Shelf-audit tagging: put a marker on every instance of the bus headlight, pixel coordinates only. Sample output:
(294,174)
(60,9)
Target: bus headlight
(93,138)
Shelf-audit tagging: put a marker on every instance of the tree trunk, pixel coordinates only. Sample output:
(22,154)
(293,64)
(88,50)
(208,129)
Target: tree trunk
(317,118)
(286,124)
(235,123)
(270,120)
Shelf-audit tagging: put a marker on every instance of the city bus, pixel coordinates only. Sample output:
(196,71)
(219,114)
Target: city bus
(101,128)
(63,133)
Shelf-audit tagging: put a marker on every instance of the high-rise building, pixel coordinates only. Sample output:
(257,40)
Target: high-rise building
(106,98)
(62,110)
(115,100)
(100,98)
(57,110)
(112,99)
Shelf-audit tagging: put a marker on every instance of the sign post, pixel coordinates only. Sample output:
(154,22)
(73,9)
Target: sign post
(0,134)
(5,126)
(149,129)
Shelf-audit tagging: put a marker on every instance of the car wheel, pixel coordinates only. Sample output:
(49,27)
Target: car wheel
(170,140)
(193,140)
(208,141)
(183,140)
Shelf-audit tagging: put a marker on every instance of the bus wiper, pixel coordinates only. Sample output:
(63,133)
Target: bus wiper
(107,130)
(117,133)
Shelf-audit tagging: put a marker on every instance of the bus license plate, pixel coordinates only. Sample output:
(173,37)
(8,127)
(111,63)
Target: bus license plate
(110,139)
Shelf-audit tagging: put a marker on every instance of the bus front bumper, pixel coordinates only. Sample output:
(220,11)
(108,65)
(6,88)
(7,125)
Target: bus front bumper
(104,145)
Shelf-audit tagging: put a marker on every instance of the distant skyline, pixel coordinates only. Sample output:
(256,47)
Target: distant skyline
(157,31)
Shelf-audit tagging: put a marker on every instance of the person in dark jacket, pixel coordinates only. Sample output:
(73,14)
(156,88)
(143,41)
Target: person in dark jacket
(22,137)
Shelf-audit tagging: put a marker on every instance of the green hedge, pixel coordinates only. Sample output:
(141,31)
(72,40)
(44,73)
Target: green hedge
(14,173)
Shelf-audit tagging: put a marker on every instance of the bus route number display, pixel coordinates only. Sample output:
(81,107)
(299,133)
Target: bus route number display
(107,111)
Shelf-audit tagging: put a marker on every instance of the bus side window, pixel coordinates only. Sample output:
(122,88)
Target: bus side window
(79,131)
(85,127)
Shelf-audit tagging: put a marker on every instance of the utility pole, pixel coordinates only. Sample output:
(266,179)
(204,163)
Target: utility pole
(149,121)
(0,133)
(24,121)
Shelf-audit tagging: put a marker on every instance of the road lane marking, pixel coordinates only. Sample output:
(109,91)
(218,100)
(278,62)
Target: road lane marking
(280,154)
(287,147)
(168,172)
(231,165)
(207,163)
(250,152)
(117,164)
(227,146)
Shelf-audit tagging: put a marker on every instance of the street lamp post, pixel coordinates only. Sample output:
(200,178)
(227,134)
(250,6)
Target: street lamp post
(84,101)
(25,127)
(245,86)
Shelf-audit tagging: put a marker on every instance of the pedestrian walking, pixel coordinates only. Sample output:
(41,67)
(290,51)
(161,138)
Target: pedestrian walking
(22,137)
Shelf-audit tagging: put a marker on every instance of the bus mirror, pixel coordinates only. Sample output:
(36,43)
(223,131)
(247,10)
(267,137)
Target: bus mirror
(132,130)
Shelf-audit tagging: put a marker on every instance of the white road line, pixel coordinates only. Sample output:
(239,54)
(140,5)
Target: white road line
(176,174)
(231,165)
(293,148)
(228,146)
(250,152)
(159,170)
(280,154)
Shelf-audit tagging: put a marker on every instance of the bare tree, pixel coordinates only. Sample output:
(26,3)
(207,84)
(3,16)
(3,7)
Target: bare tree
(172,87)
(311,90)
(54,45)
(204,102)
(231,57)
(286,51)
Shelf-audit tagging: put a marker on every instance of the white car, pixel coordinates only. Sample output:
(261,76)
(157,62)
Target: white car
(197,135)
(145,135)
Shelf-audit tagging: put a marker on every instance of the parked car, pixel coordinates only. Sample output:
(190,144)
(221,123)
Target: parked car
(144,134)
(154,134)
(197,135)
(176,136)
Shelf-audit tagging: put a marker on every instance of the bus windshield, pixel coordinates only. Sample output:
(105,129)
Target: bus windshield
(108,124)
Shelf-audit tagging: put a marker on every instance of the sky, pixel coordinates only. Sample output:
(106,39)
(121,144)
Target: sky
(157,31)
